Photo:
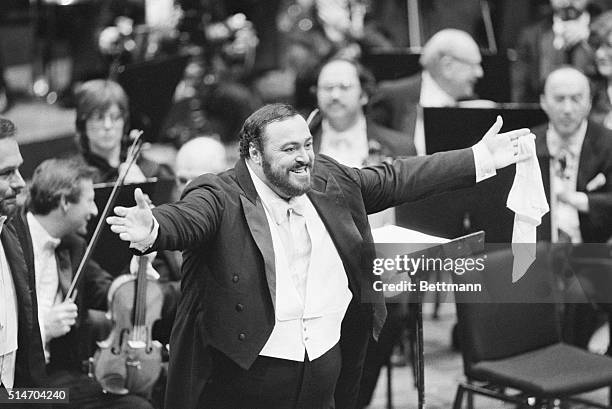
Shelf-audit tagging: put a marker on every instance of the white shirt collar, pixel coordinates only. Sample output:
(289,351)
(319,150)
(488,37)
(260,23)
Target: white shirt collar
(40,235)
(349,147)
(574,142)
(432,95)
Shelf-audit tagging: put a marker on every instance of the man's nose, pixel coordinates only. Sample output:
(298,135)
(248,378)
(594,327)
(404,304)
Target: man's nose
(17,182)
(94,210)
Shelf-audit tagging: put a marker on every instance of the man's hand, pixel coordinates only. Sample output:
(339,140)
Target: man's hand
(135,223)
(59,319)
(504,147)
(578,200)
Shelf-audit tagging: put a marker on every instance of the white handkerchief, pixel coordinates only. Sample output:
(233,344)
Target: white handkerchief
(527,200)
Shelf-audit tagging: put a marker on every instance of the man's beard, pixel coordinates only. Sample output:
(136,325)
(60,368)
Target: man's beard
(280,179)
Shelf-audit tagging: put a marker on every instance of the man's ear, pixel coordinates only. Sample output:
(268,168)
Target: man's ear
(63,204)
(254,153)
(364,99)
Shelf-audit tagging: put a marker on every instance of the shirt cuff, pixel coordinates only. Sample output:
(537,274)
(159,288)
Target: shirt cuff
(483,162)
(148,242)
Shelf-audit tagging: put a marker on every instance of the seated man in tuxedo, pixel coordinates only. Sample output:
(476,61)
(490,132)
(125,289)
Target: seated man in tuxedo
(61,202)
(580,155)
(559,38)
(345,132)
(451,64)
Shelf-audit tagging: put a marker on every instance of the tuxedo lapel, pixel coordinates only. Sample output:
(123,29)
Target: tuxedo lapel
(588,159)
(329,201)
(19,271)
(257,222)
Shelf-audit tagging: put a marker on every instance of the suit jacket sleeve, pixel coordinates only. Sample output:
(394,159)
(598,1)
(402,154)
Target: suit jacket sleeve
(193,219)
(414,178)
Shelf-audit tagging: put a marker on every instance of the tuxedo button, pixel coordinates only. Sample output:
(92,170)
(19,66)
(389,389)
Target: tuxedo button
(239,307)
(241,336)
(235,278)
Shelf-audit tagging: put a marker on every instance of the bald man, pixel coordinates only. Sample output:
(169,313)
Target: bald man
(451,64)
(198,156)
(580,156)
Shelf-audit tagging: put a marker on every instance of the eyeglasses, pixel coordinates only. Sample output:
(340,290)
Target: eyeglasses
(472,64)
(343,87)
(100,118)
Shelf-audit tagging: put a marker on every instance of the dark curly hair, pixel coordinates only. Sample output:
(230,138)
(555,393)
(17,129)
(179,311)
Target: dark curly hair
(7,128)
(255,125)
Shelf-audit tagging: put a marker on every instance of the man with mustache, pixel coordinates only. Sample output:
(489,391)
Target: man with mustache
(345,132)
(277,303)
(21,356)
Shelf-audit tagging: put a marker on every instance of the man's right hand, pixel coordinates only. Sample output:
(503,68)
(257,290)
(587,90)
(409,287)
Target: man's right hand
(59,319)
(133,224)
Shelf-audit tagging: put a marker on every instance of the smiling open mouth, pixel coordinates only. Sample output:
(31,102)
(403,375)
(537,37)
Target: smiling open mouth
(302,170)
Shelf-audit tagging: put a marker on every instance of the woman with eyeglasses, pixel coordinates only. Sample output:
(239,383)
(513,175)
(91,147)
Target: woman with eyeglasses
(102,125)
(601,41)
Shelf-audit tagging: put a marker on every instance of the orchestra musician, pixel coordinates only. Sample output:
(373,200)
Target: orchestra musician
(60,203)
(580,152)
(248,333)
(102,124)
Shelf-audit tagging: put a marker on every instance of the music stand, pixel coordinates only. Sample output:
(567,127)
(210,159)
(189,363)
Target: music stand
(465,246)
(150,85)
(480,207)
(114,255)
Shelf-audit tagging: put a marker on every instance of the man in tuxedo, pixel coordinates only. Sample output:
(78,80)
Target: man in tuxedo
(21,358)
(277,300)
(451,64)
(558,39)
(60,203)
(579,152)
(344,131)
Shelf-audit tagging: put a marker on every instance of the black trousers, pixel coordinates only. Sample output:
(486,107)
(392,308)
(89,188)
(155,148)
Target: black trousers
(273,383)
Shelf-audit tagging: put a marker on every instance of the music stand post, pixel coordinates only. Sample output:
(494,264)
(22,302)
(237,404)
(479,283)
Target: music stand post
(464,246)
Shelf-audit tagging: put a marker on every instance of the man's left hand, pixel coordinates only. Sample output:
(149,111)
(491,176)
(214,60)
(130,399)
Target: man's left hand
(504,147)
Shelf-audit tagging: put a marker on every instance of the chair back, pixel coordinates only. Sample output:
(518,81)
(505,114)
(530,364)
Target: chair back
(507,318)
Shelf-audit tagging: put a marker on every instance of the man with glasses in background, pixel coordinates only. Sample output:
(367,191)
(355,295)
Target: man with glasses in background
(451,64)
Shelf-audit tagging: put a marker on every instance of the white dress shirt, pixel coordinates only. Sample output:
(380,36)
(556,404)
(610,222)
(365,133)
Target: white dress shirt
(45,268)
(8,319)
(431,96)
(349,147)
(565,159)
(309,323)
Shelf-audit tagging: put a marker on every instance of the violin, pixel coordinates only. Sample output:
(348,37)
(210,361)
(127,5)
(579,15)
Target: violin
(128,361)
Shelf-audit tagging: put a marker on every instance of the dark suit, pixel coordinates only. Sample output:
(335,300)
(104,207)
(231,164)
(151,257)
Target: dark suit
(229,260)
(581,320)
(30,361)
(69,351)
(395,104)
(537,57)
(595,157)
(386,142)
